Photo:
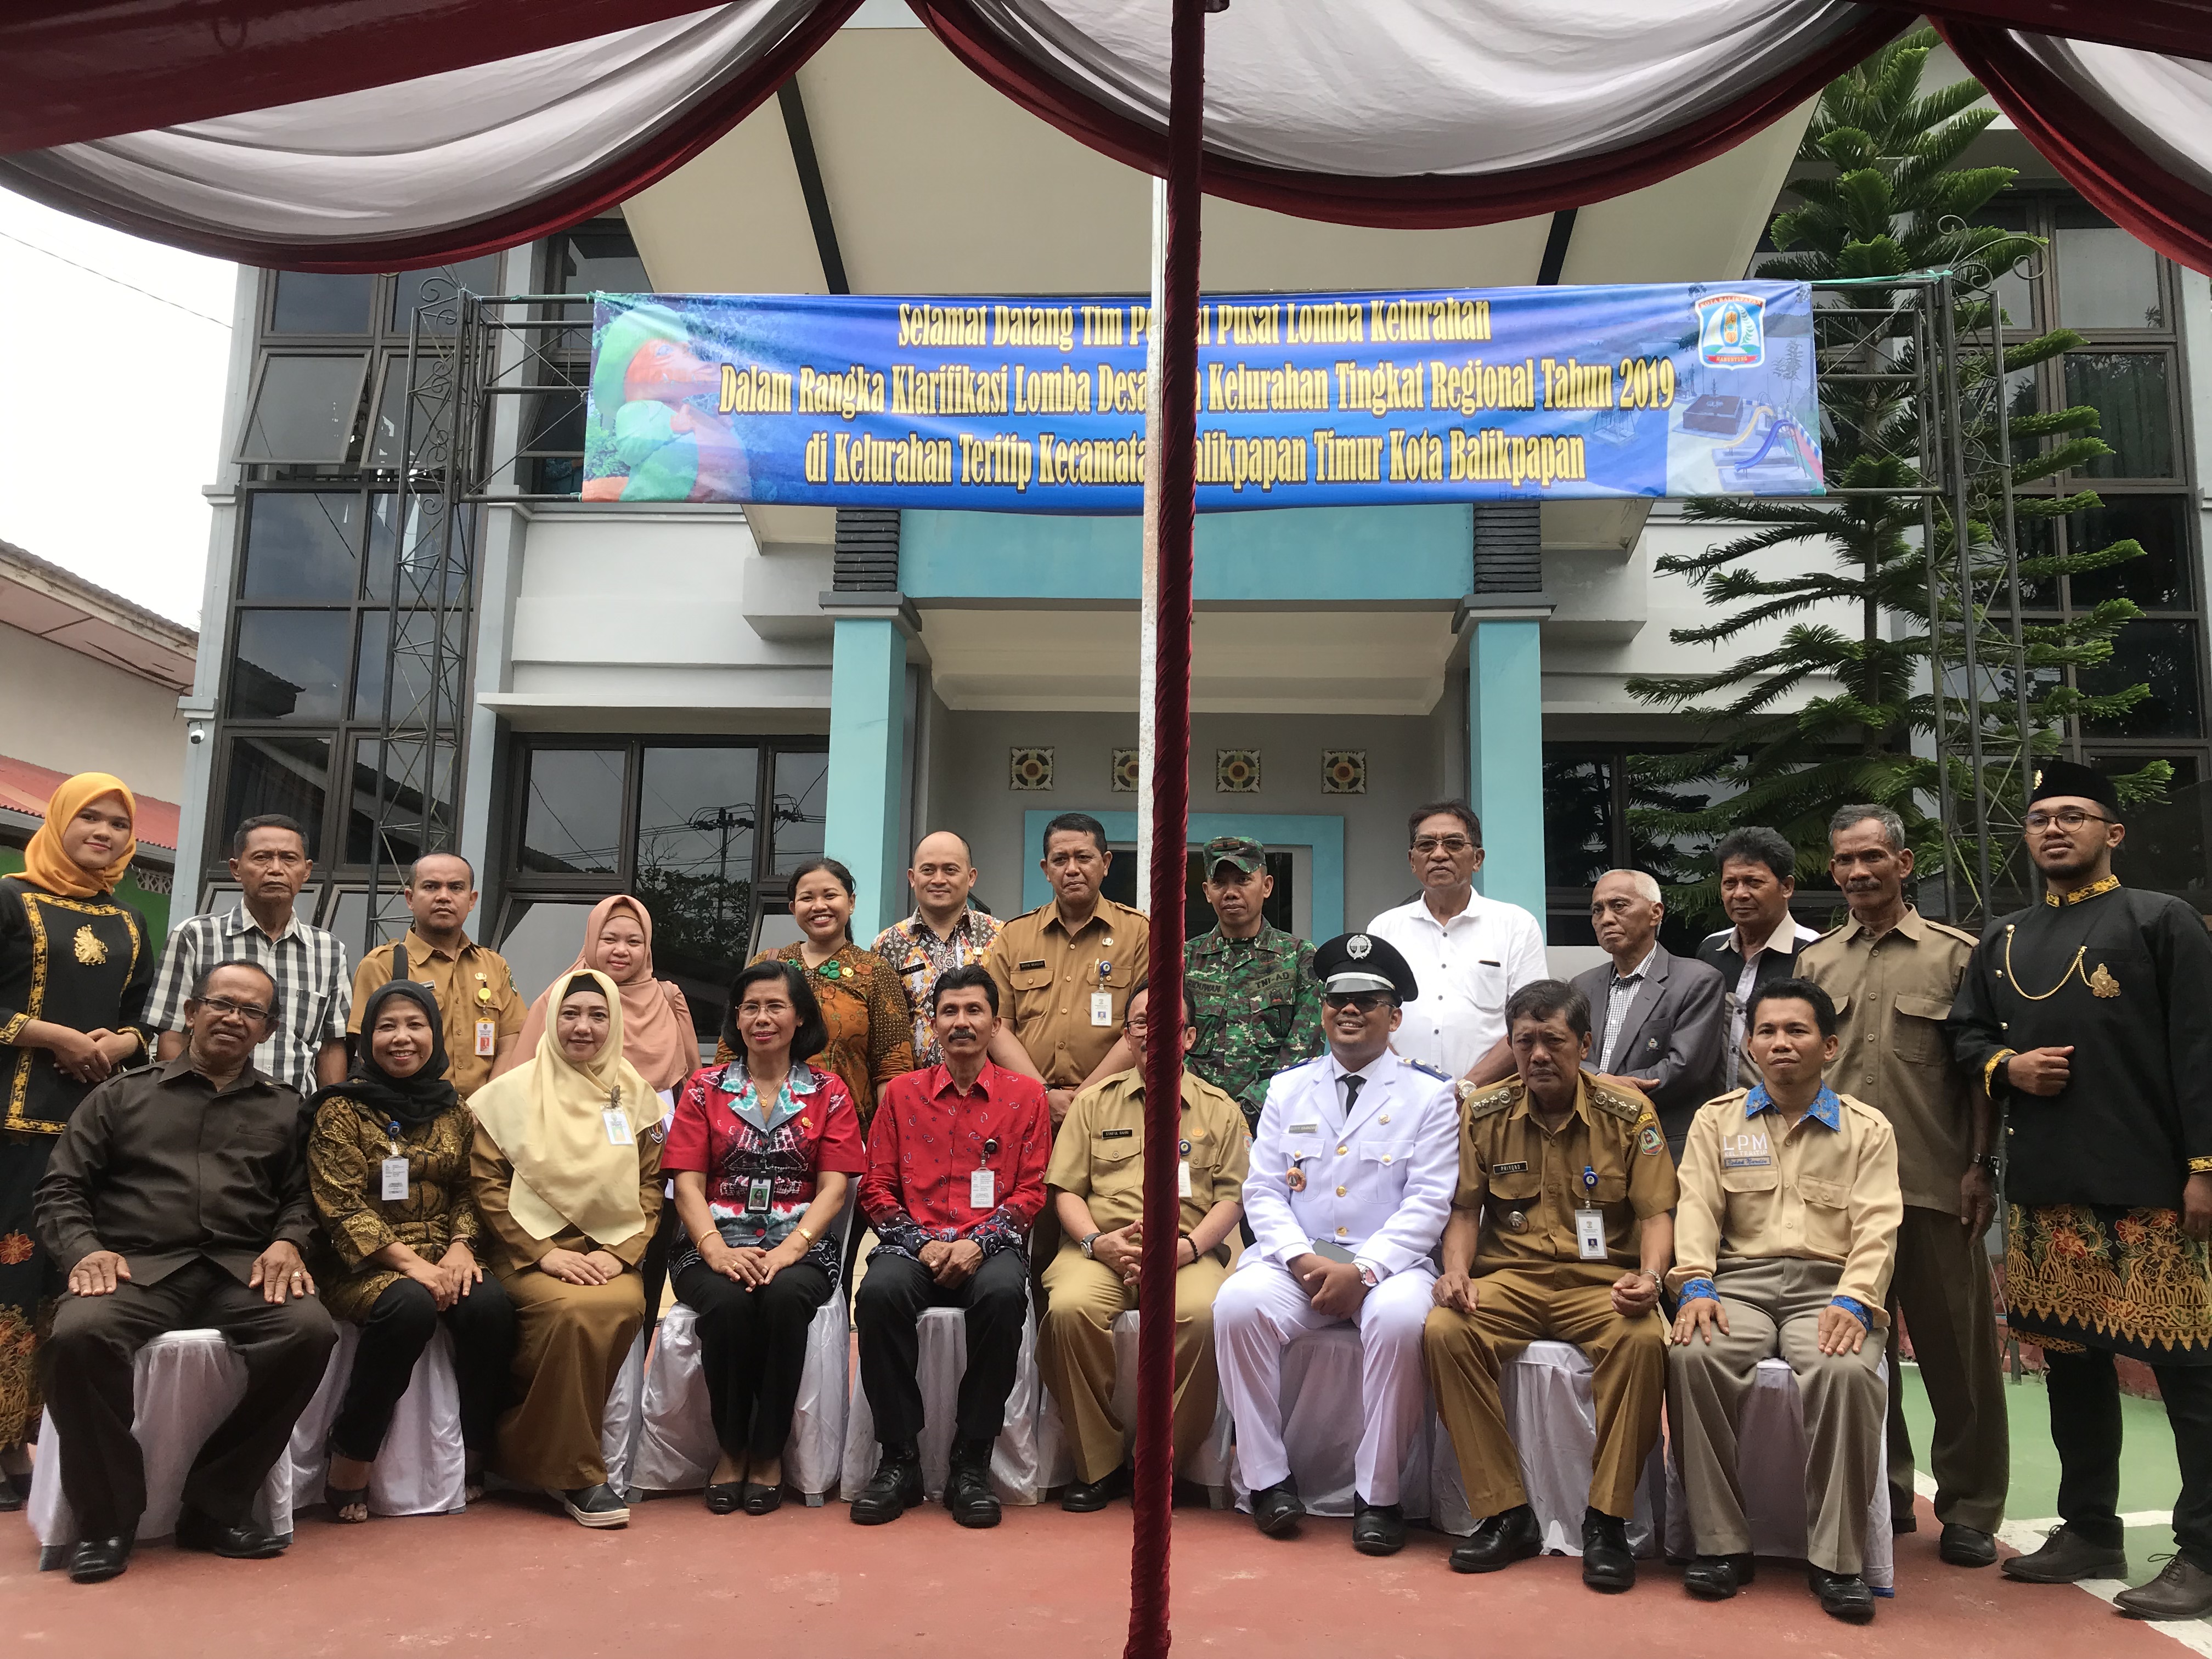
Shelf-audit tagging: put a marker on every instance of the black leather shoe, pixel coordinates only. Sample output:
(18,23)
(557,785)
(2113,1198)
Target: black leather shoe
(2183,1591)
(242,1542)
(15,1490)
(762,1500)
(95,1560)
(1842,1596)
(2066,1558)
(1378,1529)
(1964,1547)
(1089,1497)
(726,1498)
(595,1506)
(1606,1564)
(1717,1577)
(1499,1541)
(968,1493)
(892,1490)
(1276,1510)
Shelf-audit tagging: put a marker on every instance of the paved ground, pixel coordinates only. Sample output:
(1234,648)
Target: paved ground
(512,1578)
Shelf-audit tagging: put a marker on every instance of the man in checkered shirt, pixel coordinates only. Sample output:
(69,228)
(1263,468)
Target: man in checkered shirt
(306,1047)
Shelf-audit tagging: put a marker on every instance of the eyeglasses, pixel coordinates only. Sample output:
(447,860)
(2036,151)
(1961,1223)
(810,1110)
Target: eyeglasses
(2066,818)
(252,1012)
(1136,1022)
(1366,1001)
(1452,844)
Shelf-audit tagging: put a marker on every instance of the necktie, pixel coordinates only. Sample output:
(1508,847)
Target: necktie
(1353,1084)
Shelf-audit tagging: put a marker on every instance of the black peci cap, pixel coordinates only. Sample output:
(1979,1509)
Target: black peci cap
(2059,777)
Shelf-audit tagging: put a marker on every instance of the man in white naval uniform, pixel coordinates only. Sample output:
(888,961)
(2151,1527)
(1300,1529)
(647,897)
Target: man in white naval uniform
(1351,1177)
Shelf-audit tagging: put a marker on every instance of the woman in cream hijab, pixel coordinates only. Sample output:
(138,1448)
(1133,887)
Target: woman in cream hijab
(566,1166)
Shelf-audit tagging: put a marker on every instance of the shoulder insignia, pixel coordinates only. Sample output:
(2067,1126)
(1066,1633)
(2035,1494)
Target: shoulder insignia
(1618,1103)
(1421,1065)
(1492,1100)
(1293,1071)
(1651,1140)
(1945,928)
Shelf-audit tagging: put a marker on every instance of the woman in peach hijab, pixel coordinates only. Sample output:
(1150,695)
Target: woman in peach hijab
(74,969)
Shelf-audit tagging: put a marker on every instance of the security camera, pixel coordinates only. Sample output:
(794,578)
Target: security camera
(196,732)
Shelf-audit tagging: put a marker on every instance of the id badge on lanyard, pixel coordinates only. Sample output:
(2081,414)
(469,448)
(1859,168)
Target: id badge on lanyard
(1590,1221)
(394,1170)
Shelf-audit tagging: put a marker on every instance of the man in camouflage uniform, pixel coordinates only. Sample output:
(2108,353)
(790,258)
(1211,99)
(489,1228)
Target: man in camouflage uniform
(1259,1001)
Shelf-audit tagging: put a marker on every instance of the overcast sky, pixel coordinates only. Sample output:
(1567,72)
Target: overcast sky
(111,402)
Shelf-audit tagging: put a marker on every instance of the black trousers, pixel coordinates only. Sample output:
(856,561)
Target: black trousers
(2085,1426)
(752,1347)
(86,1369)
(652,1265)
(894,1296)
(400,1324)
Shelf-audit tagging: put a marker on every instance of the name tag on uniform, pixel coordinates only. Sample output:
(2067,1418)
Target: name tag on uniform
(487,1039)
(617,1122)
(1182,1179)
(758,1195)
(1305,1129)
(1589,1234)
(1024,967)
(1518,1167)
(1115,1134)
(1102,1007)
(395,1177)
(983,1190)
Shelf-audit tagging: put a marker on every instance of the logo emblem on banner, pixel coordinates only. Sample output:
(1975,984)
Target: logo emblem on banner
(1732,331)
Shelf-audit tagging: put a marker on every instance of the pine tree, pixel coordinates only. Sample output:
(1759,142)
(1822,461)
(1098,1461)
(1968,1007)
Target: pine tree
(1879,194)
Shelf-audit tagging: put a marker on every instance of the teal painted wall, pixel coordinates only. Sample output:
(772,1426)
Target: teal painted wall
(867,728)
(1505,760)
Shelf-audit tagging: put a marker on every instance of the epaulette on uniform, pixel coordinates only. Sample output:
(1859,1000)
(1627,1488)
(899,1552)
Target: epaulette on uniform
(1422,1065)
(1317,1060)
(1617,1102)
(1958,934)
(1491,1100)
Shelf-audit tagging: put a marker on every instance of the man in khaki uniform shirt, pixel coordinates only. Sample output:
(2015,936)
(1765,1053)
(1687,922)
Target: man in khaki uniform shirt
(1097,1178)
(1782,1246)
(481,1012)
(1893,973)
(1537,1155)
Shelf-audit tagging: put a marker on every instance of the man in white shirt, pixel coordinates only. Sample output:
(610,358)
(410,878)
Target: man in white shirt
(1468,953)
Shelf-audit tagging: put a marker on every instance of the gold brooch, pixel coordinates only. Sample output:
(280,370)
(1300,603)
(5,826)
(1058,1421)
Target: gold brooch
(2102,982)
(1295,1179)
(90,952)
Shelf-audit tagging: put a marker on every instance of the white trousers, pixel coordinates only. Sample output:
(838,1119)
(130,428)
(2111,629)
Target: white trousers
(1262,1308)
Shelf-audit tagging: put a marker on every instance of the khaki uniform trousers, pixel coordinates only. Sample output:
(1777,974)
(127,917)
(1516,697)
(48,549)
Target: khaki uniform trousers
(1572,1301)
(571,1342)
(1942,1286)
(1075,1353)
(1773,1308)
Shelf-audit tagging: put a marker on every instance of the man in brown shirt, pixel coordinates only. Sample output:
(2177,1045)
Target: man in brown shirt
(177,1198)
(1097,1181)
(1783,1247)
(476,998)
(1893,973)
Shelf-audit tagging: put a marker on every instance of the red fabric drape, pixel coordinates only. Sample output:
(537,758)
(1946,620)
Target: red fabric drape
(1430,201)
(2182,27)
(2113,172)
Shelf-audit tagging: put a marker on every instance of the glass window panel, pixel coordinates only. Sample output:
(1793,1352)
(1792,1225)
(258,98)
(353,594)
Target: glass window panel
(312,302)
(2015,294)
(2127,390)
(304,409)
(553,424)
(796,811)
(598,262)
(2032,538)
(2025,394)
(403,785)
(438,288)
(2107,279)
(1577,820)
(300,545)
(288,775)
(2157,581)
(543,937)
(2167,845)
(696,838)
(2163,656)
(416,633)
(572,813)
(417,551)
(425,436)
(288,665)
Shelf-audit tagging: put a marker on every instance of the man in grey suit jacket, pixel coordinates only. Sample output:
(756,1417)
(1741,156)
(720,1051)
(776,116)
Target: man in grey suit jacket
(1658,1017)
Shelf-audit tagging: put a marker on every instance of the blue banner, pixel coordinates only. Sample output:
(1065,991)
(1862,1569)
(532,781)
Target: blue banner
(1037,405)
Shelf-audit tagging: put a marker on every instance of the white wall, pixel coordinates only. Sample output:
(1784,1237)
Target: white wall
(72,713)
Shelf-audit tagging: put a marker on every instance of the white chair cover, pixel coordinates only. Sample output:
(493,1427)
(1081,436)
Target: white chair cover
(422,1467)
(183,1383)
(1322,1416)
(1771,1453)
(1552,1417)
(618,1427)
(1025,1445)
(676,1449)
(1208,1466)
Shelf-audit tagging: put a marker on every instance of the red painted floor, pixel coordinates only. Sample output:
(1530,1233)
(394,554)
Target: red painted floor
(512,1578)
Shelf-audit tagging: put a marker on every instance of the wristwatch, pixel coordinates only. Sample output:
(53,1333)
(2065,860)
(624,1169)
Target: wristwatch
(1988,1162)
(1085,1246)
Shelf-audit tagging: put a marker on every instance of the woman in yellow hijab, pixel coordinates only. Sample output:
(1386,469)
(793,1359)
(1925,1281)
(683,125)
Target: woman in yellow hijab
(566,1167)
(75,968)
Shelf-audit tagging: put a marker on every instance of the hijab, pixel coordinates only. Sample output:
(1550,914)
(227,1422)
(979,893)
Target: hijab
(47,865)
(547,1117)
(413,1101)
(657,1035)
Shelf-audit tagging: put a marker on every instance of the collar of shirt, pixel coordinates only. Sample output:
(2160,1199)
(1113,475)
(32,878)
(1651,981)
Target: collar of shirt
(745,1099)
(415,941)
(1270,940)
(1638,971)
(240,920)
(1826,1109)
(1778,940)
(1102,917)
(1910,925)
(1525,1106)
(1131,1084)
(181,1066)
(917,927)
(2102,885)
(989,1083)
(1471,915)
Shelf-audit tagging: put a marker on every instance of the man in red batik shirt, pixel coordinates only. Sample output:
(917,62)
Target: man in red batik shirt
(956,1158)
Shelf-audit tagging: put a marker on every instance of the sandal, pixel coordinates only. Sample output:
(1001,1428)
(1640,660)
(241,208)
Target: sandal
(726,1498)
(341,1499)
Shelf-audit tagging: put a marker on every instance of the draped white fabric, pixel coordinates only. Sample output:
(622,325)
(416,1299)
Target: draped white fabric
(1027,1445)
(677,1447)
(2163,105)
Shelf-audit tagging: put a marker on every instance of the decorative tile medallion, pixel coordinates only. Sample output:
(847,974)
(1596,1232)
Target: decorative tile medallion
(1125,771)
(1029,769)
(1236,771)
(1343,771)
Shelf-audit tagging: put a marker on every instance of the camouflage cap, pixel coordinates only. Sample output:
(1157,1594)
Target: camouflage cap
(1246,853)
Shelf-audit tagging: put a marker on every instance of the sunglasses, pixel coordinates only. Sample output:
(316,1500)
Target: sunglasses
(1366,1001)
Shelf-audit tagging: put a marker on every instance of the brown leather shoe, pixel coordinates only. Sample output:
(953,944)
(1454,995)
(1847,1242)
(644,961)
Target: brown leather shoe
(2183,1591)
(2066,1558)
